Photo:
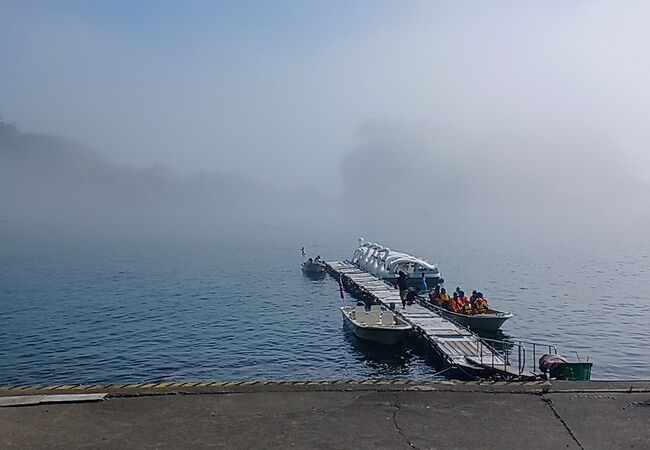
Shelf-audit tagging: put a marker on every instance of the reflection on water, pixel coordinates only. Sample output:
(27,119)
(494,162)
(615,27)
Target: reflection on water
(388,361)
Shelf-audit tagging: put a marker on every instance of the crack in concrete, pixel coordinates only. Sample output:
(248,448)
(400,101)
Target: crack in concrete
(397,427)
(549,402)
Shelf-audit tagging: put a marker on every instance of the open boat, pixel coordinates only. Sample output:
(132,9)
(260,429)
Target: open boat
(314,267)
(377,325)
(490,321)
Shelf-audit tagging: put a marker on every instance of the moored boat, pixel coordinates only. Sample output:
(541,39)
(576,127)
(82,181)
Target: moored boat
(314,267)
(490,321)
(386,264)
(377,325)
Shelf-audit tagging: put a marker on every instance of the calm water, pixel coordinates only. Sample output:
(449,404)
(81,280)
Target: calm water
(93,313)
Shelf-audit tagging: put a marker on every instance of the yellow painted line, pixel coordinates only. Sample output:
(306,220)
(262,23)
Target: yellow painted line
(164,384)
(217,383)
(248,383)
(202,384)
(133,385)
(66,387)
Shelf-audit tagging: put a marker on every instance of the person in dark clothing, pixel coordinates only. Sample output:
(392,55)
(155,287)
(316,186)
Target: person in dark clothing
(403,287)
(411,296)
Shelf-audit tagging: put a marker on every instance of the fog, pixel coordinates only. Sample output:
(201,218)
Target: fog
(467,120)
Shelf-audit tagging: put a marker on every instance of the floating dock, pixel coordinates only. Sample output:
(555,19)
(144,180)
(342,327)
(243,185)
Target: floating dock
(460,349)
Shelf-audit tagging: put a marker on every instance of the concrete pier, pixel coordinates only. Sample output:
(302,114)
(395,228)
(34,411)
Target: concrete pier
(359,415)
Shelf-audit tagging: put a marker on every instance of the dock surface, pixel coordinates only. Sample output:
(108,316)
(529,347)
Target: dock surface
(336,415)
(456,345)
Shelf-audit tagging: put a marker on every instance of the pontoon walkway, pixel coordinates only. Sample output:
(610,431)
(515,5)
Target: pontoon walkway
(460,348)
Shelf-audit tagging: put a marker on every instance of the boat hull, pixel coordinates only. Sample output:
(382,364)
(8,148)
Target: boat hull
(380,336)
(416,283)
(483,322)
(313,268)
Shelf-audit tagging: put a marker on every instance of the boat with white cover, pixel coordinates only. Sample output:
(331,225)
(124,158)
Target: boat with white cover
(377,325)
(386,264)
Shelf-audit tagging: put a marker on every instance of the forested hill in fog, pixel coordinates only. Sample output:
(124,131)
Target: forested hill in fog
(50,183)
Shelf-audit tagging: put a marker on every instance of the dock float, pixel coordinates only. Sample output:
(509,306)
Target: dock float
(462,352)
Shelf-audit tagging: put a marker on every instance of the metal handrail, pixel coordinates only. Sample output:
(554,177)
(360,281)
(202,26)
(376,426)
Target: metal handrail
(521,351)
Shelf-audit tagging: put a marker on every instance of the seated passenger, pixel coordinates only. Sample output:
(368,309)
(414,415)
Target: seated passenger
(462,299)
(473,297)
(454,305)
(467,308)
(481,304)
(434,296)
(444,298)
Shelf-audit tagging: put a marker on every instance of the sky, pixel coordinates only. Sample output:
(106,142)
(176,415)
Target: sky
(327,94)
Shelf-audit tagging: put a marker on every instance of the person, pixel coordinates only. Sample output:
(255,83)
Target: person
(310,261)
(472,298)
(434,296)
(454,306)
(462,299)
(467,308)
(444,298)
(402,285)
(481,304)
(317,259)
(411,295)
(423,283)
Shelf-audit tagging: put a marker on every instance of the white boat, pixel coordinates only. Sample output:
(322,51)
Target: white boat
(377,325)
(490,321)
(386,264)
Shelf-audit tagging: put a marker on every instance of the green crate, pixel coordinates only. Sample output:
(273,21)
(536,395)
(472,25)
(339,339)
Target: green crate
(572,371)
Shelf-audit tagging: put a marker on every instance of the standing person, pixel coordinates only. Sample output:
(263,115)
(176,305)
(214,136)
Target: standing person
(403,287)
(423,282)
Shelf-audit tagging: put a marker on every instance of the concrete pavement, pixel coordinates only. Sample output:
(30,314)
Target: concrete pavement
(352,415)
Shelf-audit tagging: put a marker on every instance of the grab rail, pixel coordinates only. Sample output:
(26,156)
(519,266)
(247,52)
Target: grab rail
(521,351)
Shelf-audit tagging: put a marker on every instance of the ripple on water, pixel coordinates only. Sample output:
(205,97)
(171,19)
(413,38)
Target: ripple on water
(98,315)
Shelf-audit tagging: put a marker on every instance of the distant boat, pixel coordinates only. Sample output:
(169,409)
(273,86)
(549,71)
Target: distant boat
(314,267)
(376,325)
(490,321)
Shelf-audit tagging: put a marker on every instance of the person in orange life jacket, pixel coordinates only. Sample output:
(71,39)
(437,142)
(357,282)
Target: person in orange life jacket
(462,299)
(454,306)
